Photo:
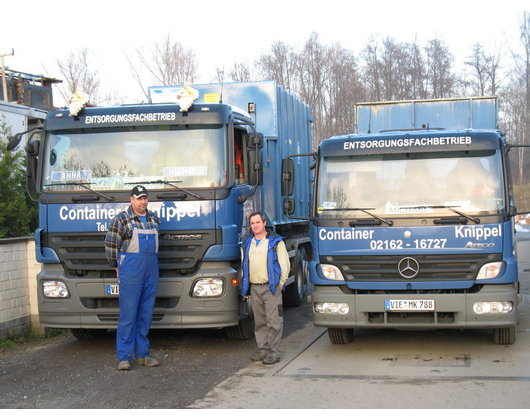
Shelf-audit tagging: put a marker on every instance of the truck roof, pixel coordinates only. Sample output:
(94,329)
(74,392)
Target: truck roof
(142,115)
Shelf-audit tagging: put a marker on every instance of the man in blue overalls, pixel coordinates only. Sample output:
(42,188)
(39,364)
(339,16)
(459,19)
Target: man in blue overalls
(131,246)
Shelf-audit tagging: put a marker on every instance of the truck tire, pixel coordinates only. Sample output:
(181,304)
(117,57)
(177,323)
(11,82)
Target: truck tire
(242,331)
(295,294)
(340,335)
(245,329)
(504,336)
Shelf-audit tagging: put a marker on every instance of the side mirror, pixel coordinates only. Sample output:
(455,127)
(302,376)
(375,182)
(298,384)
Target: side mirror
(288,186)
(15,140)
(287,177)
(33,147)
(254,144)
(288,206)
(32,150)
(255,175)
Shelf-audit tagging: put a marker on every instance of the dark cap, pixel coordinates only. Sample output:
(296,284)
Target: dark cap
(138,191)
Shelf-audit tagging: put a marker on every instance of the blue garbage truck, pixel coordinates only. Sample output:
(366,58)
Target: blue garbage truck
(413,222)
(207,168)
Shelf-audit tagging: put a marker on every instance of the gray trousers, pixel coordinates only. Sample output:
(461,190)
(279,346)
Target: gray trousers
(268,317)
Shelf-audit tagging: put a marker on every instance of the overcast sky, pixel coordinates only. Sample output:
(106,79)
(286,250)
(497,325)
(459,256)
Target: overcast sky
(221,32)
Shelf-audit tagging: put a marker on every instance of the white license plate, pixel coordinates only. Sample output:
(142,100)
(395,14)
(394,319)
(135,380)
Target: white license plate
(113,289)
(424,305)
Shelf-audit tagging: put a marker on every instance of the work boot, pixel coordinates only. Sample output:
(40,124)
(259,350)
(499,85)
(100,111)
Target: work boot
(260,355)
(124,365)
(147,361)
(270,360)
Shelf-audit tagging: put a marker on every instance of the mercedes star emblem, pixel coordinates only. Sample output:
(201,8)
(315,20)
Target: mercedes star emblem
(408,268)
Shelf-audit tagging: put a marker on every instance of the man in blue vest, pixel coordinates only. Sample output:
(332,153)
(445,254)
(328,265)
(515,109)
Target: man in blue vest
(265,271)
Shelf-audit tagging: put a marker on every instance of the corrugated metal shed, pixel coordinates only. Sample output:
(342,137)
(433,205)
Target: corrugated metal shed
(20,118)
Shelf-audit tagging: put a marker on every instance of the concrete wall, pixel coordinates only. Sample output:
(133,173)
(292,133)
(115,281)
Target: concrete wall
(18,291)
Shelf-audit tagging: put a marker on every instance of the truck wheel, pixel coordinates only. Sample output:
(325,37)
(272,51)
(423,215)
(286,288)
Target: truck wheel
(242,331)
(245,329)
(88,334)
(295,294)
(340,335)
(504,336)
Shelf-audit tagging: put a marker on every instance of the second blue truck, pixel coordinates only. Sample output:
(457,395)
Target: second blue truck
(413,222)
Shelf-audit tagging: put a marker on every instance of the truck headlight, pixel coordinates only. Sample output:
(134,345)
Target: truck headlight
(490,271)
(54,289)
(486,308)
(211,287)
(331,272)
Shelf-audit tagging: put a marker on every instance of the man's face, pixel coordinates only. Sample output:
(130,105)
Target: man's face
(257,225)
(139,204)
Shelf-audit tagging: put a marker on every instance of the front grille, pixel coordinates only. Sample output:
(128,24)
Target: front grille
(114,303)
(84,254)
(459,267)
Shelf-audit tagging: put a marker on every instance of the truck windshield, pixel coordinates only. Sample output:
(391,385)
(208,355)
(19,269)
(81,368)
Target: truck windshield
(117,159)
(410,185)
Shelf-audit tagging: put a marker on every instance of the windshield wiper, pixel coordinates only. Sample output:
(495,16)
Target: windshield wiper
(388,222)
(476,220)
(173,185)
(84,185)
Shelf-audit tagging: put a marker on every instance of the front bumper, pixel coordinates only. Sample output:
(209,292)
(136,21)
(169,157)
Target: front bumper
(89,306)
(452,310)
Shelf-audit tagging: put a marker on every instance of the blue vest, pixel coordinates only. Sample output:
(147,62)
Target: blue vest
(274,270)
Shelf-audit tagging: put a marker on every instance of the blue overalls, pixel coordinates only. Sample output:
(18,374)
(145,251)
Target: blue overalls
(138,280)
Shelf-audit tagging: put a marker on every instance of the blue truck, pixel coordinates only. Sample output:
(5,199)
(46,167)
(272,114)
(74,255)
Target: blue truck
(206,168)
(413,222)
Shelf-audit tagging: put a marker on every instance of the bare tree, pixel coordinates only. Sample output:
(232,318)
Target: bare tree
(494,58)
(344,89)
(372,72)
(516,100)
(279,64)
(327,78)
(312,77)
(485,71)
(417,72)
(167,62)
(394,70)
(78,72)
(441,80)
(477,62)
(78,75)
(240,72)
